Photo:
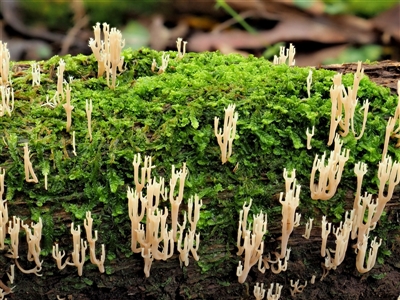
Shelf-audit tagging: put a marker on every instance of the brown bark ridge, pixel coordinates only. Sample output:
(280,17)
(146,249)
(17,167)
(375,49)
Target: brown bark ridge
(385,73)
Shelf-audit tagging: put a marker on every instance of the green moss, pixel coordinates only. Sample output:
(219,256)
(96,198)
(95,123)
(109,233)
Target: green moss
(170,117)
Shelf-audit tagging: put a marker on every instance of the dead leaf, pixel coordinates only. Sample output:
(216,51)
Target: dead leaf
(388,22)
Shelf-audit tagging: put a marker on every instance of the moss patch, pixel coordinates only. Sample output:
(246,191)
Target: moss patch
(170,117)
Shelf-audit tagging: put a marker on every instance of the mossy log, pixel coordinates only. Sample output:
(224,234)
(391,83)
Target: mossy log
(170,117)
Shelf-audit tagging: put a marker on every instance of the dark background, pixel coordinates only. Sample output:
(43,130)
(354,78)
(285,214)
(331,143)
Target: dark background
(323,31)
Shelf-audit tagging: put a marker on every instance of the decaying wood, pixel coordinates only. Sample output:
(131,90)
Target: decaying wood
(214,276)
(385,73)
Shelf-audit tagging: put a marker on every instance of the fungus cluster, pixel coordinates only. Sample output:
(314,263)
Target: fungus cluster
(226,134)
(284,54)
(7,93)
(344,106)
(79,248)
(33,238)
(149,228)
(108,52)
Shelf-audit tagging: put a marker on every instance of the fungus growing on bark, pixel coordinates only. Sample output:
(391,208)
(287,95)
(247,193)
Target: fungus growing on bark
(164,64)
(281,263)
(28,166)
(13,230)
(330,174)
(297,289)
(346,102)
(153,239)
(271,295)
(45,172)
(3,210)
(283,56)
(176,201)
(33,241)
(190,241)
(58,256)
(388,174)
(113,56)
(73,143)
(309,136)
(79,249)
(60,81)
(7,101)
(4,64)
(361,254)
(98,47)
(259,291)
(253,244)
(108,51)
(182,53)
(312,281)
(35,74)
(68,107)
(88,223)
(324,234)
(364,211)
(342,234)
(11,275)
(89,110)
(289,205)
(309,81)
(5,290)
(306,235)
(226,135)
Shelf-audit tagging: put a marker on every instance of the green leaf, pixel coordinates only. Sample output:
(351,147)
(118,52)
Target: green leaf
(114,180)
(193,120)
(87,281)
